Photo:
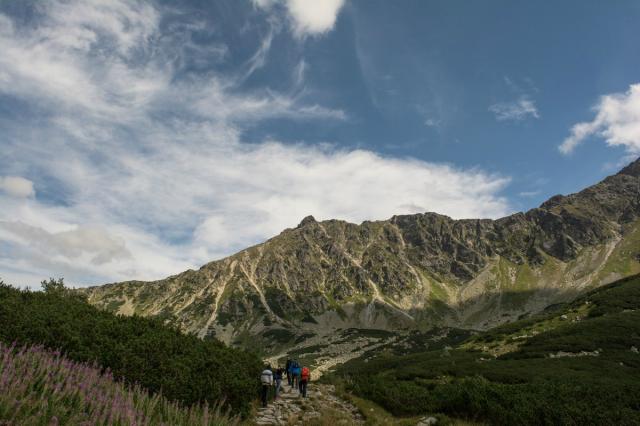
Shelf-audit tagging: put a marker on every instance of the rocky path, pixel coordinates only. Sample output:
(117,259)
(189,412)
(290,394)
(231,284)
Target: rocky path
(321,403)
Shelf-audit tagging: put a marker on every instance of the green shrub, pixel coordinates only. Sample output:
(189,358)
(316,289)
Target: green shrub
(139,350)
(531,386)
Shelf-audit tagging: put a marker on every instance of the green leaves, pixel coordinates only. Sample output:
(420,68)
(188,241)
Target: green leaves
(138,350)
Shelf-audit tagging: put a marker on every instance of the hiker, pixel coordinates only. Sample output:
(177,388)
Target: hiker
(305,377)
(267,381)
(278,379)
(291,372)
(295,370)
(287,369)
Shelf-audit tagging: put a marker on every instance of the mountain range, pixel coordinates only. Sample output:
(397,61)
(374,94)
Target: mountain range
(407,273)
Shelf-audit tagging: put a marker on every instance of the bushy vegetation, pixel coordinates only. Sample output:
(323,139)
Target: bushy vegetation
(38,386)
(137,350)
(581,370)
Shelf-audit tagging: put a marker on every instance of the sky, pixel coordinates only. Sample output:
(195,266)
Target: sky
(139,139)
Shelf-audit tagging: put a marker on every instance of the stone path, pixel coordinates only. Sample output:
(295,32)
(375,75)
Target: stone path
(291,409)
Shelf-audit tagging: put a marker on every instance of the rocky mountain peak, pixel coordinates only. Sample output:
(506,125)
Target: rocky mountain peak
(415,270)
(554,201)
(307,221)
(632,169)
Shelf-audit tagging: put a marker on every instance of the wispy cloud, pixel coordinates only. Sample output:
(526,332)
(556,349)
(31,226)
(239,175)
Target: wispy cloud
(432,122)
(517,110)
(123,166)
(259,58)
(521,108)
(299,72)
(617,121)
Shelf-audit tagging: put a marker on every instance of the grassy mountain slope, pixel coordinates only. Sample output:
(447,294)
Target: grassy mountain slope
(408,272)
(576,363)
(138,350)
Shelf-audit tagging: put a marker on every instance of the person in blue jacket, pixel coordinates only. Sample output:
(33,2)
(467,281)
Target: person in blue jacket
(289,373)
(295,371)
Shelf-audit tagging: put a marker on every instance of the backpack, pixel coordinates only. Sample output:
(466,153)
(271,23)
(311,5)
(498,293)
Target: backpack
(266,377)
(305,374)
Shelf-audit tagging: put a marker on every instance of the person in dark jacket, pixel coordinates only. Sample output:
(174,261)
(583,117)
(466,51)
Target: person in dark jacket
(287,369)
(278,381)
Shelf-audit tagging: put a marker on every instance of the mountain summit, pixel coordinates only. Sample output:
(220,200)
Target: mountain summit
(409,272)
(632,169)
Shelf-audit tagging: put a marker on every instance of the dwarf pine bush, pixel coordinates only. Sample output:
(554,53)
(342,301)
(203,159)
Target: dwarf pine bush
(529,386)
(137,350)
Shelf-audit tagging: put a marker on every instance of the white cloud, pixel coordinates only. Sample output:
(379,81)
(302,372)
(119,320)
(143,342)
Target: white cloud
(307,17)
(51,246)
(145,172)
(432,122)
(95,242)
(265,4)
(517,110)
(63,61)
(617,120)
(16,186)
(314,17)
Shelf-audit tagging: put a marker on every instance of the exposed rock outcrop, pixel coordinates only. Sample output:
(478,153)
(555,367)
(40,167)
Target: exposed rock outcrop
(411,271)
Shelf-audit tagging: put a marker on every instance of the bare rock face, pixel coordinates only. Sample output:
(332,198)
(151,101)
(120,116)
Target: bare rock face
(309,220)
(632,169)
(411,271)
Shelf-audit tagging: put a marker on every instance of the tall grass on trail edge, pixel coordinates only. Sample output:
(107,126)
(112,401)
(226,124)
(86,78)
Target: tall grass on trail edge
(41,387)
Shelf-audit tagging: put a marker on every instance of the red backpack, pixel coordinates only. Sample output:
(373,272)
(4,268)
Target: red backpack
(305,374)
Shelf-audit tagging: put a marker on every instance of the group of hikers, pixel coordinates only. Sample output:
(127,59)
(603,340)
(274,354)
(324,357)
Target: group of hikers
(297,376)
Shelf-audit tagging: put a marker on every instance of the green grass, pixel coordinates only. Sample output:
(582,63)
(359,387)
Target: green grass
(438,292)
(623,260)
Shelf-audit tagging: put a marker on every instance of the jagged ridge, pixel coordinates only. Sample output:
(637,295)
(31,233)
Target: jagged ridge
(409,271)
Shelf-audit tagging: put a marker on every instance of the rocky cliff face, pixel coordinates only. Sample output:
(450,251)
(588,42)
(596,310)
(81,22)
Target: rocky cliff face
(408,272)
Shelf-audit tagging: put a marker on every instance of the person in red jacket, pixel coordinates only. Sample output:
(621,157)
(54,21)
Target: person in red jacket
(305,377)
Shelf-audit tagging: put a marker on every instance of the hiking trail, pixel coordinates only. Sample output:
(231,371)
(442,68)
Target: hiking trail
(291,409)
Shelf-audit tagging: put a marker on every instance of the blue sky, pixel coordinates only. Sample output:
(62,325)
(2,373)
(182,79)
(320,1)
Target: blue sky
(140,139)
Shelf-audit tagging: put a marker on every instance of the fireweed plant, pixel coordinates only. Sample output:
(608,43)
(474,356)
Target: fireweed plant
(42,387)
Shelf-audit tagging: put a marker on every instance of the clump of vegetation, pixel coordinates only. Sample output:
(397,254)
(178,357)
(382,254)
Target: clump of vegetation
(582,367)
(136,350)
(38,386)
